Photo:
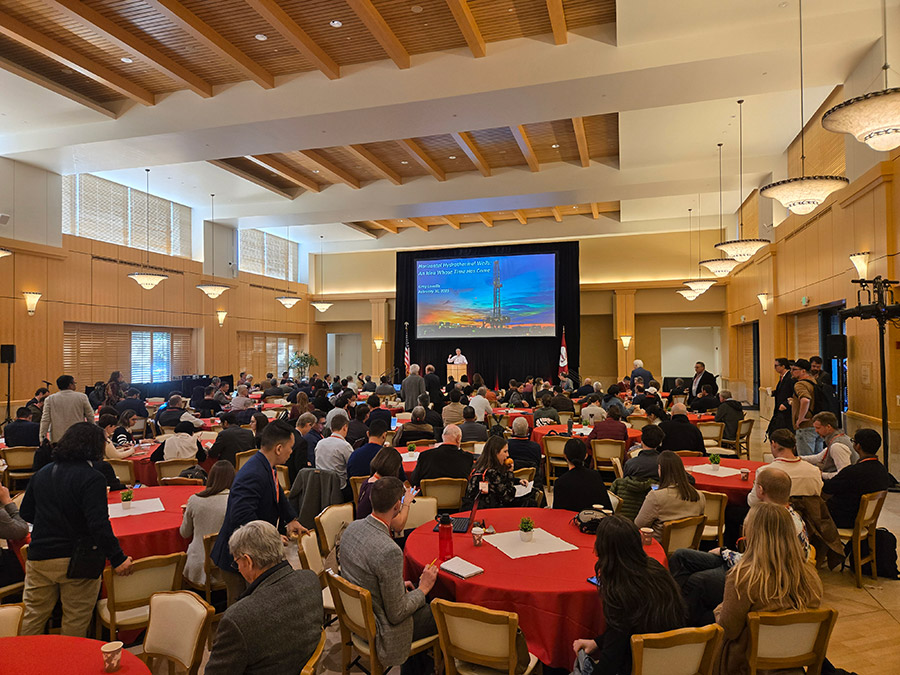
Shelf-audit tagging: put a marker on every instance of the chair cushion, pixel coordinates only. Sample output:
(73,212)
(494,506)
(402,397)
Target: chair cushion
(710,532)
(327,600)
(466,668)
(361,645)
(129,618)
(719,450)
(709,442)
(845,533)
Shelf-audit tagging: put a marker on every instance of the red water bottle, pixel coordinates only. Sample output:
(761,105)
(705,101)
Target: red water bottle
(445,538)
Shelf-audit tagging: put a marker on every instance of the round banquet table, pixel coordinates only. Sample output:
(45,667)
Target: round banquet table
(634,435)
(515,413)
(550,592)
(736,489)
(153,533)
(42,654)
(145,470)
(409,465)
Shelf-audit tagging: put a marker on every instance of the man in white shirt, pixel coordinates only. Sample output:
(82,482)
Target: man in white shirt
(458,358)
(64,408)
(333,452)
(838,452)
(806,480)
(481,405)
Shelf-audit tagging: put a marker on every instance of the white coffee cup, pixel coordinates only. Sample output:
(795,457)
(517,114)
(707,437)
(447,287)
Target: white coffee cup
(112,656)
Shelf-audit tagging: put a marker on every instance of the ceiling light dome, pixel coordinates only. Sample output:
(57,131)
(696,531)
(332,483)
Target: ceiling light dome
(742,250)
(321,306)
(803,195)
(700,286)
(689,295)
(288,301)
(720,267)
(873,119)
(213,291)
(147,280)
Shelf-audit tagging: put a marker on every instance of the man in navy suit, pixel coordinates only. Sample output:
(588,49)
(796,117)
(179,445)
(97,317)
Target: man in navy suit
(702,376)
(640,371)
(256,495)
(23,432)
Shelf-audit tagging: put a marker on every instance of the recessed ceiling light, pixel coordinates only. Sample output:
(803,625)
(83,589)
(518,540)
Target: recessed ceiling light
(555,145)
(334,23)
(502,152)
(452,157)
(403,161)
(125,59)
(315,171)
(66,71)
(782,5)
(262,37)
(416,9)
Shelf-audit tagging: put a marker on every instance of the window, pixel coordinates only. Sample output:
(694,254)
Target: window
(151,356)
(100,209)
(261,353)
(268,255)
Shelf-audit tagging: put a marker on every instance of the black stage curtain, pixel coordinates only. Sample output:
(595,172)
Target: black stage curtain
(497,359)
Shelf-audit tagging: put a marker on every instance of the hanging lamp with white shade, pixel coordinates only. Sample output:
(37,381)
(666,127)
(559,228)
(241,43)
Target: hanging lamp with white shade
(722,266)
(873,119)
(213,291)
(803,194)
(289,300)
(698,285)
(319,304)
(144,277)
(689,293)
(741,249)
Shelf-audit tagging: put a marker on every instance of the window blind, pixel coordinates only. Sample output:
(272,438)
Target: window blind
(252,252)
(261,353)
(267,254)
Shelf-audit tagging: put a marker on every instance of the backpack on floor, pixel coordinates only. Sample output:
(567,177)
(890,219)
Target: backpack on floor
(885,554)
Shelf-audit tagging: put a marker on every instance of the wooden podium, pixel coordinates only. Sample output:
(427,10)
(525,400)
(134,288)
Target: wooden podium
(456,371)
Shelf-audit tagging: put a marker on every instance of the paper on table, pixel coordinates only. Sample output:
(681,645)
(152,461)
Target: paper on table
(138,508)
(522,490)
(543,542)
(722,472)
(582,431)
(461,568)
(407,458)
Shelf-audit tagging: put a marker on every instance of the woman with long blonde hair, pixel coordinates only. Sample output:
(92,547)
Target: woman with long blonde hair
(771,576)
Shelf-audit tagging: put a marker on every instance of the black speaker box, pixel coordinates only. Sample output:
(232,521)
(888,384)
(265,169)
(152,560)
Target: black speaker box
(836,346)
(7,353)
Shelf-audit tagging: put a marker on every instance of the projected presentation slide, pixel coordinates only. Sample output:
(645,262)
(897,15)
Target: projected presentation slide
(494,296)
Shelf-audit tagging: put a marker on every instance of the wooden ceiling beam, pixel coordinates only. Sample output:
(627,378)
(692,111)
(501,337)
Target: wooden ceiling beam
(418,154)
(558,21)
(27,36)
(276,17)
(467,26)
(557,216)
(467,145)
(202,32)
(384,225)
(246,175)
(452,221)
(380,30)
(485,218)
(275,165)
(421,224)
(595,210)
(55,87)
(581,139)
(524,144)
(521,217)
(361,229)
(331,170)
(131,43)
(370,160)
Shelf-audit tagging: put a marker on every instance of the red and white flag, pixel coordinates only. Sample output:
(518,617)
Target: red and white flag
(406,361)
(563,357)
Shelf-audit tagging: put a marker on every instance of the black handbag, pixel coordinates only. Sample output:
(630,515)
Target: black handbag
(87,561)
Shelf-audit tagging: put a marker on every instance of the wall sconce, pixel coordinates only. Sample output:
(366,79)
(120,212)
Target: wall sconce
(31,301)
(626,341)
(861,263)
(764,301)
(221,314)
(379,343)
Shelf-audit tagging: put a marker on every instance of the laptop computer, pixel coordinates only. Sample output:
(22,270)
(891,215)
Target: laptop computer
(461,523)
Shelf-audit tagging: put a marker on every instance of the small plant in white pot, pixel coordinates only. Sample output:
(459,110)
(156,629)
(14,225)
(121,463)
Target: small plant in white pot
(127,497)
(526,529)
(714,461)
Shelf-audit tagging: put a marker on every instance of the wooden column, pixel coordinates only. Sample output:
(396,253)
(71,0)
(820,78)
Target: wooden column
(623,324)
(379,331)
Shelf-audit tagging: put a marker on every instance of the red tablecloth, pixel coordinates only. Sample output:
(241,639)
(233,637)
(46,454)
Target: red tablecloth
(736,489)
(256,395)
(555,603)
(528,415)
(634,435)
(144,469)
(408,466)
(42,654)
(153,533)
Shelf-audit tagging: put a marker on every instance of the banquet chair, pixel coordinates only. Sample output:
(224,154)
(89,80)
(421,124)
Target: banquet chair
(171,468)
(864,528)
(207,436)
(638,421)
(615,501)
(474,639)
(167,430)
(712,433)
(139,430)
(682,533)
(565,416)
(357,621)
(790,639)
(17,588)
(577,407)
(503,421)
(617,467)
(714,529)
(180,480)
(11,619)
(553,451)
(329,524)
(741,443)
(284,477)
(312,663)
(423,510)
(177,629)
(242,457)
(389,437)
(448,491)
(527,473)
(687,651)
(311,559)
(213,581)
(689,453)
(127,602)
(678,398)
(19,460)
(124,469)
(604,450)
(356,483)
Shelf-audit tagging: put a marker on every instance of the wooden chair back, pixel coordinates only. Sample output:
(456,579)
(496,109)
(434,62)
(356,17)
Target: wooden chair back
(11,619)
(617,467)
(689,453)
(124,469)
(864,528)
(449,492)
(638,421)
(714,528)
(284,477)
(565,416)
(712,433)
(353,606)
(356,483)
(170,468)
(241,457)
(687,651)
(329,524)
(312,663)
(682,533)
(178,629)
(790,639)
(554,447)
(423,510)
(180,480)
(526,473)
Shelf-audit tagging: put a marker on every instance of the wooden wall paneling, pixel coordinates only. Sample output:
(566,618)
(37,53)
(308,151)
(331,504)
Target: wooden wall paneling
(7,277)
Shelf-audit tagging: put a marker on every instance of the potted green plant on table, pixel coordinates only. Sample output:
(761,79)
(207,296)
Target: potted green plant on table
(714,461)
(411,449)
(526,529)
(127,497)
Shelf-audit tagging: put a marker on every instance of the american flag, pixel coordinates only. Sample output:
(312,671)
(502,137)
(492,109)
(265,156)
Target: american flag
(406,350)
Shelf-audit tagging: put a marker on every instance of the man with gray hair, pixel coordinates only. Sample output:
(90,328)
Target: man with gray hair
(640,371)
(447,460)
(275,625)
(417,429)
(482,406)
(333,452)
(412,387)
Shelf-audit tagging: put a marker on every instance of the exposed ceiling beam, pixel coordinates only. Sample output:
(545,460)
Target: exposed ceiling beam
(384,225)
(467,26)
(581,139)
(55,87)
(557,216)
(524,144)
(331,170)
(299,39)
(24,35)
(466,144)
(452,221)
(202,32)
(370,160)
(418,222)
(131,43)
(558,21)
(246,175)
(485,218)
(287,172)
(379,29)
(362,230)
(418,154)
(606,207)
(595,210)
(521,217)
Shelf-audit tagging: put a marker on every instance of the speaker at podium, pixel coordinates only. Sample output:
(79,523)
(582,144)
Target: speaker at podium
(456,371)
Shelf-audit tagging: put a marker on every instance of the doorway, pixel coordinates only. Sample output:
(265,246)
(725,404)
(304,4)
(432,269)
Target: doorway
(344,353)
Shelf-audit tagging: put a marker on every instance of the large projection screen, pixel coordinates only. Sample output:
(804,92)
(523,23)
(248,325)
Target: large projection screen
(489,296)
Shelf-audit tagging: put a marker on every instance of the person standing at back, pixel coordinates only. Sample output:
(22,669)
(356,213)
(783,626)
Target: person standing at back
(64,408)
(781,416)
(803,407)
(640,371)
(411,388)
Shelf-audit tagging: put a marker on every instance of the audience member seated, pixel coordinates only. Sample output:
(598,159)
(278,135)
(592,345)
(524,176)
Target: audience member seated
(839,452)
(175,412)
(97,395)
(369,385)
(472,430)
(272,390)
(771,576)
(676,498)
(729,413)
(231,440)
(385,388)
(679,389)
(11,527)
(208,406)
(298,459)
(706,400)
(492,480)
(637,593)
(376,412)
(447,460)
(646,463)
(560,402)
(517,395)
(369,558)
(276,624)
(221,394)
(322,402)
(452,412)
(242,401)
(313,436)
(525,453)
(361,459)
(701,575)
(579,488)
(482,406)
(109,423)
(432,416)
(204,514)
(132,401)
(587,387)
(344,404)
(592,411)
(805,478)
(122,434)
(180,445)
(610,427)
(333,452)
(843,492)
(386,462)
(545,414)
(22,432)
(258,422)
(358,429)
(680,433)
(414,430)
(655,415)
(615,398)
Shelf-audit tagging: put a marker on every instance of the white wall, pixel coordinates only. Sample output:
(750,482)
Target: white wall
(683,347)
(32,198)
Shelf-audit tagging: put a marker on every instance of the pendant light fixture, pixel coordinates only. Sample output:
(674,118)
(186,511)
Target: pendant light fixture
(802,195)
(147,279)
(320,305)
(213,291)
(290,300)
(699,285)
(720,267)
(873,119)
(741,249)
(689,293)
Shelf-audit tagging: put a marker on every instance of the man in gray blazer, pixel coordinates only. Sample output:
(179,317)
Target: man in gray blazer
(371,559)
(64,408)
(412,387)
(275,626)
